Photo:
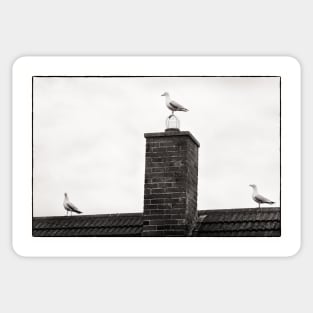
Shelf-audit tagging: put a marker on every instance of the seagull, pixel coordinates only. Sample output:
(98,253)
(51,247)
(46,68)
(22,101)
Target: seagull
(173,105)
(69,206)
(258,198)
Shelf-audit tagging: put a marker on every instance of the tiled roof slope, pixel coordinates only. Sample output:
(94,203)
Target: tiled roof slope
(264,222)
(104,225)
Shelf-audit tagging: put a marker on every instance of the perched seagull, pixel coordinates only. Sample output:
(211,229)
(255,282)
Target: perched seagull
(173,105)
(258,198)
(69,206)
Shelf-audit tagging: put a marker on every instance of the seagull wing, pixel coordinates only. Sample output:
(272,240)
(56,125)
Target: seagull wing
(177,106)
(72,207)
(262,199)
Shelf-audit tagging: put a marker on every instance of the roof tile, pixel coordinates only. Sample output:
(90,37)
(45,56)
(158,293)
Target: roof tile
(211,223)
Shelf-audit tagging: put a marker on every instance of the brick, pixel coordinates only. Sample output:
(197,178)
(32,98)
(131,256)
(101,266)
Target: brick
(151,206)
(158,170)
(162,227)
(177,216)
(174,233)
(153,216)
(151,233)
(180,189)
(157,211)
(158,201)
(159,150)
(180,227)
(157,159)
(149,227)
(157,222)
(157,191)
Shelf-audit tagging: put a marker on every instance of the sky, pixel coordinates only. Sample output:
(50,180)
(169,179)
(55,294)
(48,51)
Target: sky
(89,139)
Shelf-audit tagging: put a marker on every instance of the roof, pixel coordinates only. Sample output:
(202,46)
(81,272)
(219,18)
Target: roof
(104,225)
(264,222)
(246,222)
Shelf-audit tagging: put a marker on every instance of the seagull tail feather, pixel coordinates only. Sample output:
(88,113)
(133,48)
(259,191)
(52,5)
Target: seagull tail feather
(74,209)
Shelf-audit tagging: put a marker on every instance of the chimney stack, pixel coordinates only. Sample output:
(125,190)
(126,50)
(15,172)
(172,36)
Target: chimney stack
(171,181)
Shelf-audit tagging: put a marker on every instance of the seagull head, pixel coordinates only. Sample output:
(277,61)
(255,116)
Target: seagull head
(166,94)
(253,186)
(65,194)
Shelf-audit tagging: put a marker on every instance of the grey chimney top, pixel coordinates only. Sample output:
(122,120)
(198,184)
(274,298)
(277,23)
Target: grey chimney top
(169,133)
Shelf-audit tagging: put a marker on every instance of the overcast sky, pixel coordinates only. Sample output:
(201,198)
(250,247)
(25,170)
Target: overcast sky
(89,139)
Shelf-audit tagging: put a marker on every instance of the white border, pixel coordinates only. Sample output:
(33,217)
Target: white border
(26,245)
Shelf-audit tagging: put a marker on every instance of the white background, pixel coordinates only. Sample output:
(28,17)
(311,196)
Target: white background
(139,28)
(26,245)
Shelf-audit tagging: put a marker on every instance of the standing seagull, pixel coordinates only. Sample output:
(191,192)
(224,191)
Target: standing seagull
(173,105)
(69,206)
(258,198)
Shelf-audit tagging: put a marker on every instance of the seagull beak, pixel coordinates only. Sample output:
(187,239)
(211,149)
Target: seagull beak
(162,94)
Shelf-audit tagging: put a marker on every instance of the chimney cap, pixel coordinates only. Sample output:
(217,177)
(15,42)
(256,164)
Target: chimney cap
(172,132)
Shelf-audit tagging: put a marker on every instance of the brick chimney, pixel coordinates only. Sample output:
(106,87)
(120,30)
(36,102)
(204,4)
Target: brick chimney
(171,181)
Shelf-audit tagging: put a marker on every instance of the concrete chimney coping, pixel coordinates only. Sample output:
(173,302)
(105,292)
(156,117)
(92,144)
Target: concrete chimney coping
(173,133)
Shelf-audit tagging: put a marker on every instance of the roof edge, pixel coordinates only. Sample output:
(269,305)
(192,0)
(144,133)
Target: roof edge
(266,209)
(88,215)
(200,212)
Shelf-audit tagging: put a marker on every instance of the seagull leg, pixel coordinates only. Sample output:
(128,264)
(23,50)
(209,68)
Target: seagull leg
(259,205)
